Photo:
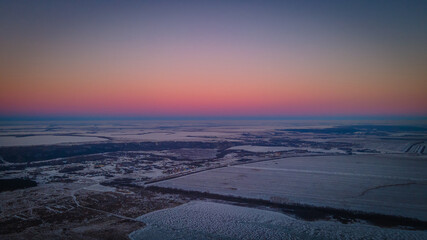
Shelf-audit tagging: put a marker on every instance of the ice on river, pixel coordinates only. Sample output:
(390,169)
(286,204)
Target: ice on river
(210,220)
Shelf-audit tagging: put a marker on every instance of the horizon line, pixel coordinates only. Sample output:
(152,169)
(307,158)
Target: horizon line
(197,117)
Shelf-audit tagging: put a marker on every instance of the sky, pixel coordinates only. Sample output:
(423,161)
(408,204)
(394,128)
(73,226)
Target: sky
(213,58)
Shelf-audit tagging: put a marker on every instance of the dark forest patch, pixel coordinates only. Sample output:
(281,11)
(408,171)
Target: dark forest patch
(16,183)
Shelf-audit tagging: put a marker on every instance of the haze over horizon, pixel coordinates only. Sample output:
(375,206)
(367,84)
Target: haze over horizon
(207,59)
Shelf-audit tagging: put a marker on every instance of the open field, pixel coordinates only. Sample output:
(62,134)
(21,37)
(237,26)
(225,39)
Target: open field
(7,141)
(83,210)
(386,184)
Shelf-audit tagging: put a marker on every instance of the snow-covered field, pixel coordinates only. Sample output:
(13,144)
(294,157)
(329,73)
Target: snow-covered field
(7,141)
(174,136)
(209,220)
(259,149)
(100,188)
(387,184)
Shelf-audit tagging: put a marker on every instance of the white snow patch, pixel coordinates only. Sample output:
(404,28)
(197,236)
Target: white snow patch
(100,188)
(259,149)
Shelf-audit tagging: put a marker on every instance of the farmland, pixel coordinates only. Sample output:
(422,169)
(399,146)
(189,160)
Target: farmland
(387,184)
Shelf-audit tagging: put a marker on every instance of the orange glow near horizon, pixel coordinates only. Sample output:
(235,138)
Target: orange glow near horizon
(184,67)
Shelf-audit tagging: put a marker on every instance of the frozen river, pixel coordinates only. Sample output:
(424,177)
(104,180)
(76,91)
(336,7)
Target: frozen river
(210,220)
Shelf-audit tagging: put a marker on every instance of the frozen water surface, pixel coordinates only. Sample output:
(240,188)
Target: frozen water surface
(209,220)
